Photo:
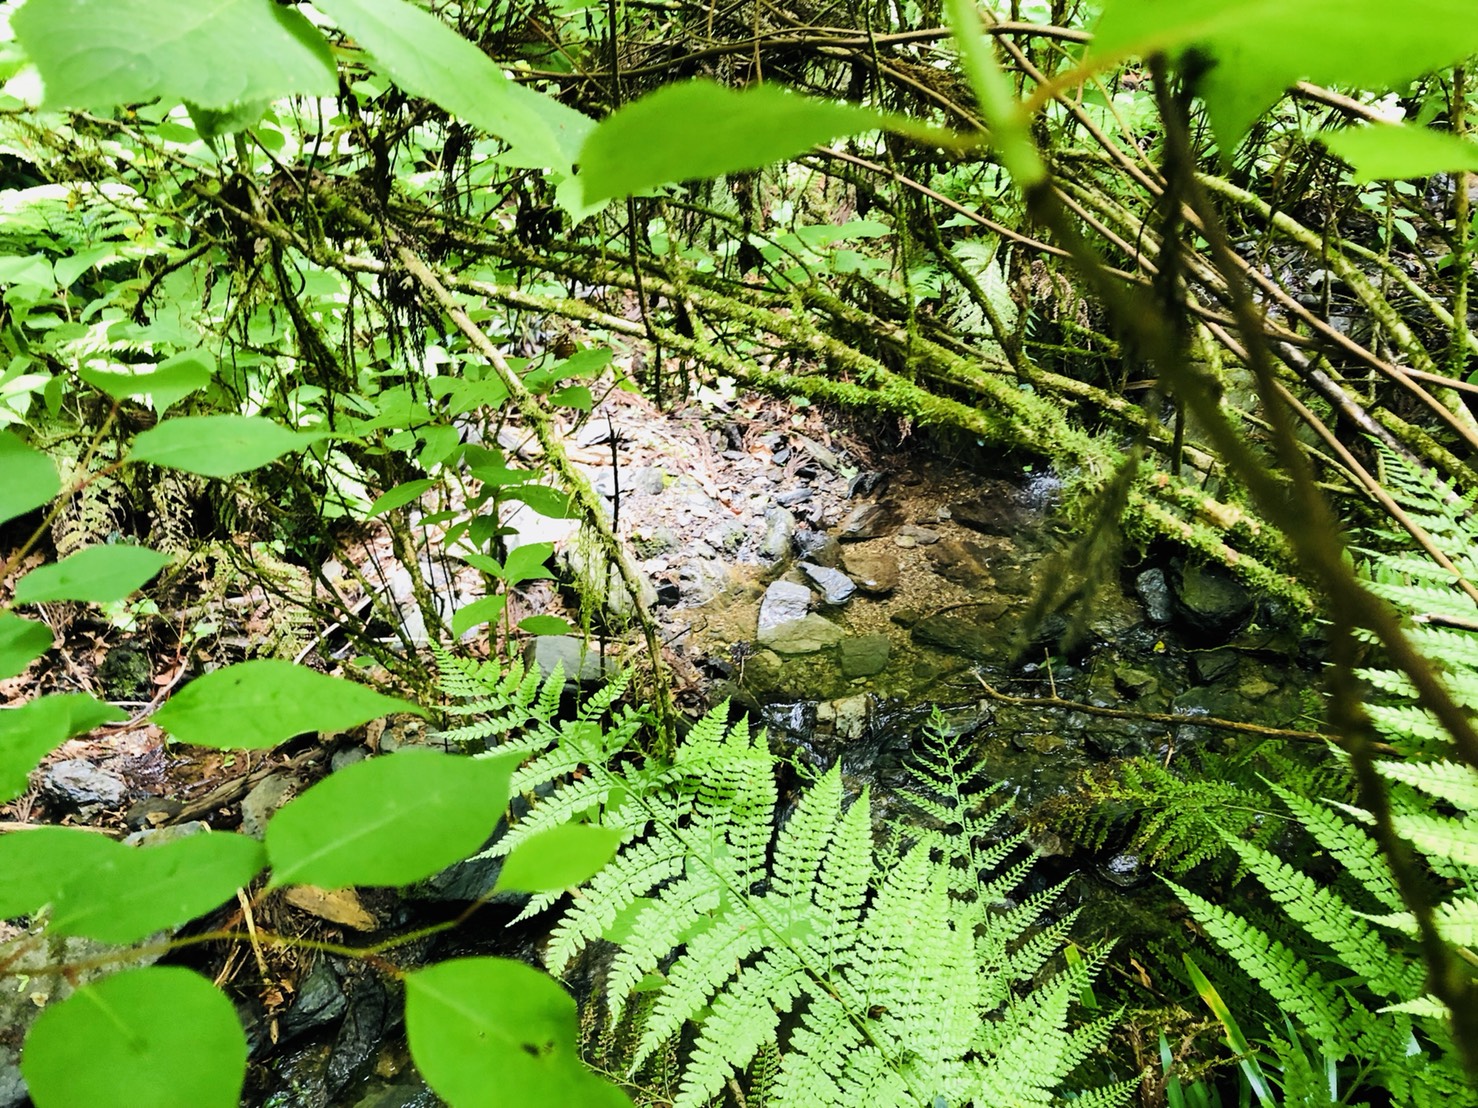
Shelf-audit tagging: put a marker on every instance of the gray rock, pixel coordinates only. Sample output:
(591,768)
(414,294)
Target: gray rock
(779,531)
(594,577)
(77,783)
(793,497)
(343,759)
(703,577)
(921,536)
(1155,594)
(158,836)
(783,602)
(963,562)
(649,480)
(819,547)
(582,661)
(727,536)
(851,716)
(802,636)
(649,544)
(319,1000)
(970,632)
(836,587)
(266,796)
(870,521)
(864,655)
(876,572)
(995,515)
(1209,599)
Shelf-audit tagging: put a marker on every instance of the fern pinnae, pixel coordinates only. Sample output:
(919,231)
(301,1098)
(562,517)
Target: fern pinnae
(1450,781)
(632,874)
(1347,844)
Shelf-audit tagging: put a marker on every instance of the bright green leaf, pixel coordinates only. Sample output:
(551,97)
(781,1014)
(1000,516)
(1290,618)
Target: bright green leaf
(135,891)
(700,129)
(559,858)
(576,396)
(398,497)
(32,731)
(526,563)
(545,625)
(427,58)
(162,1036)
(488,609)
(68,269)
(93,575)
(490,1032)
(30,478)
(544,500)
(218,445)
(37,863)
(165,384)
(99,56)
(1259,48)
(1388,151)
(22,641)
(388,821)
(258,704)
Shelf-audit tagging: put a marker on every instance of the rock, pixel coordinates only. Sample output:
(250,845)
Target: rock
(850,716)
(77,783)
(319,1000)
(726,536)
(152,811)
(703,577)
(760,672)
(582,661)
(970,632)
(649,480)
(963,562)
(1155,594)
(1209,599)
(794,497)
(593,577)
(1124,870)
(1138,682)
(343,759)
(836,587)
(783,602)
(649,544)
(1213,665)
(870,521)
(905,541)
(779,532)
(875,572)
(996,515)
(864,655)
(266,796)
(921,536)
(819,547)
(802,636)
(125,673)
(158,836)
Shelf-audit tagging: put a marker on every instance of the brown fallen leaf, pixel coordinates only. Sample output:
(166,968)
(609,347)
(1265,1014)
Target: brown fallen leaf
(339,906)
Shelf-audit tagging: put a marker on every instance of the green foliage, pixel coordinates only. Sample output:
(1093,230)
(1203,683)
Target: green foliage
(218,445)
(96,575)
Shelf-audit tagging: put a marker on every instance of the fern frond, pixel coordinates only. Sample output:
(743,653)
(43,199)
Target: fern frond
(1449,781)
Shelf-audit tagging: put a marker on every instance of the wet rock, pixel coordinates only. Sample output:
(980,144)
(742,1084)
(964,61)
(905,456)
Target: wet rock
(77,783)
(819,547)
(151,811)
(266,796)
(875,572)
(870,521)
(864,655)
(320,1000)
(802,636)
(779,532)
(582,661)
(760,672)
(836,587)
(1213,665)
(963,562)
(970,631)
(783,602)
(994,515)
(1155,593)
(921,536)
(375,1009)
(1138,682)
(1124,870)
(1209,599)
(1255,686)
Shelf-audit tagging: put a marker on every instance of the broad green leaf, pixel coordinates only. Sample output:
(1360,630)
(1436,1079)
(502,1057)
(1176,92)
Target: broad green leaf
(388,821)
(258,704)
(576,396)
(1391,151)
(33,272)
(526,563)
(488,609)
(1259,48)
(544,500)
(22,641)
(101,55)
(165,384)
(162,1036)
(490,1032)
(545,625)
(37,863)
(218,445)
(30,478)
(94,575)
(559,858)
(427,58)
(32,731)
(398,497)
(700,129)
(212,123)
(133,891)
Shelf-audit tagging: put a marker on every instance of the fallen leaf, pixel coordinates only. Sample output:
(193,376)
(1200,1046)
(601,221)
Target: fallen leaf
(339,906)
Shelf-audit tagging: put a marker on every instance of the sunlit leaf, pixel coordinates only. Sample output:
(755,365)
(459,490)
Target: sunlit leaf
(487,609)
(30,477)
(162,1036)
(559,858)
(1388,151)
(165,384)
(398,497)
(257,704)
(526,563)
(218,445)
(32,731)
(545,625)
(388,821)
(699,129)
(101,55)
(94,575)
(22,641)
(37,863)
(490,1032)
